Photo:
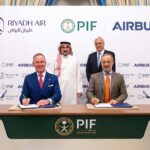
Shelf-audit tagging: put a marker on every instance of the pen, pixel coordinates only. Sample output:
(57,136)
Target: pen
(24,96)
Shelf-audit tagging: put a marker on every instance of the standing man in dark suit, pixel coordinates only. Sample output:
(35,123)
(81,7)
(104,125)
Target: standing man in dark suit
(93,63)
(40,87)
(106,86)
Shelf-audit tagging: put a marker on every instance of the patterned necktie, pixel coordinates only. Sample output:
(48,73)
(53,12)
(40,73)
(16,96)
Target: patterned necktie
(107,89)
(41,81)
(98,59)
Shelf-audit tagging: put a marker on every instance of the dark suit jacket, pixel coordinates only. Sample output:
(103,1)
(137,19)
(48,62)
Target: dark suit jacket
(97,87)
(31,88)
(91,66)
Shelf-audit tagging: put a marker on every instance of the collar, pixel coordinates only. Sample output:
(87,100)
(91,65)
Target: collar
(102,51)
(44,73)
(110,73)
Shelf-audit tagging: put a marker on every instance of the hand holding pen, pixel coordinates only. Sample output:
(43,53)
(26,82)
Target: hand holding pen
(94,100)
(25,100)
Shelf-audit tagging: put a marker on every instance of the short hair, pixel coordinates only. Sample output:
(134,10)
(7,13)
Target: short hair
(107,54)
(38,54)
(99,37)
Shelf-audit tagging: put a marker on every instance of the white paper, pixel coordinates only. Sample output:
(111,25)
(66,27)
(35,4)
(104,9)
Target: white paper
(103,105)
(28,106)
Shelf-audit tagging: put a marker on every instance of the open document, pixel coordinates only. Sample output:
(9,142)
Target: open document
(118,105)
(28,106)
(103,105)
(32,106)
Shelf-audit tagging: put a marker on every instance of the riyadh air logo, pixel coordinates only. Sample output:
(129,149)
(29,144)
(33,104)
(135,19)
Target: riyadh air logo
(67,25)
(1,25)
(64,126)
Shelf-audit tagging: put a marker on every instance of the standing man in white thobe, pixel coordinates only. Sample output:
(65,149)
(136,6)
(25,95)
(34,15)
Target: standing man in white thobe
(67,68)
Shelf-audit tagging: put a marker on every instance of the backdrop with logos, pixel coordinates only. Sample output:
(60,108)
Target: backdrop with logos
(25,31)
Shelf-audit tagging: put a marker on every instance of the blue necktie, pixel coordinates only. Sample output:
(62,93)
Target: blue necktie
(98,59)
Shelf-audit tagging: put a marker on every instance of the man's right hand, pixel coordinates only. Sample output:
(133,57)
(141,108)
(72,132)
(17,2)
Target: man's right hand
(26,101)
(94,101)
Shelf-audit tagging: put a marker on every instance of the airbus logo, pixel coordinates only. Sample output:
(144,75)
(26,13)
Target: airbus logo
(25,65)
(131,26)
(142,86)
(142,65)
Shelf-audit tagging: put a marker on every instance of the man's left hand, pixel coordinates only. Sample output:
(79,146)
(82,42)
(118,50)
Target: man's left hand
(43,102)
(113,101)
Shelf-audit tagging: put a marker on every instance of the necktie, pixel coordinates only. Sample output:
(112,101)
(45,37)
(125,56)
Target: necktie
(41,81)
(98,59)
(107,89)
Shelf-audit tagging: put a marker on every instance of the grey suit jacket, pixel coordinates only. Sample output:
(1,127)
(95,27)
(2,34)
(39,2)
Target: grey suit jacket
(96,87)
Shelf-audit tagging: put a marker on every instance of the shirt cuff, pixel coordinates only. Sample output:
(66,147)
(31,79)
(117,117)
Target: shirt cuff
(50,101)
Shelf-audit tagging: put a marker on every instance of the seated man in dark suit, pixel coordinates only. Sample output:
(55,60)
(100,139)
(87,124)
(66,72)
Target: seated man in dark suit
(93,63)
(40,87)
(106,86)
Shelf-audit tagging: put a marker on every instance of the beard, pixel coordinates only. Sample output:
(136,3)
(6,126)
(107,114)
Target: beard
(65,53)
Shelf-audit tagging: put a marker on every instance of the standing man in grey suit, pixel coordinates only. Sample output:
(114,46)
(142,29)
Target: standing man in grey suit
(96,92)
(93,63)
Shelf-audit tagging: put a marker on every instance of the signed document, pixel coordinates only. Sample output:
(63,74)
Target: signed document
(32,106)
(103,105)
(118,105)
(28,106)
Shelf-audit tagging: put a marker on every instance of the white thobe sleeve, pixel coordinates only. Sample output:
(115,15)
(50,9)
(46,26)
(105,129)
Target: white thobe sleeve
(52,66)
(79,79)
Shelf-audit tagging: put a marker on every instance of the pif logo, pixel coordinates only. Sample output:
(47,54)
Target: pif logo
(69,25)
(86,126)
(86,123)
(64,126)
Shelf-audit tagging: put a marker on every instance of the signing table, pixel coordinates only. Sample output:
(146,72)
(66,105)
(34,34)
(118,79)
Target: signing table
(75,122)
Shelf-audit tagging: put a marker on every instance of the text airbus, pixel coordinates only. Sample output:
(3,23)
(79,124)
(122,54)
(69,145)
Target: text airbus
(142,65)
(142,86)
(131,26)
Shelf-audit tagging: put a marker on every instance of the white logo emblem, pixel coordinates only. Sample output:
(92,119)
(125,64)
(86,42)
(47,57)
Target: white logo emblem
(64,126)
(67,26)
